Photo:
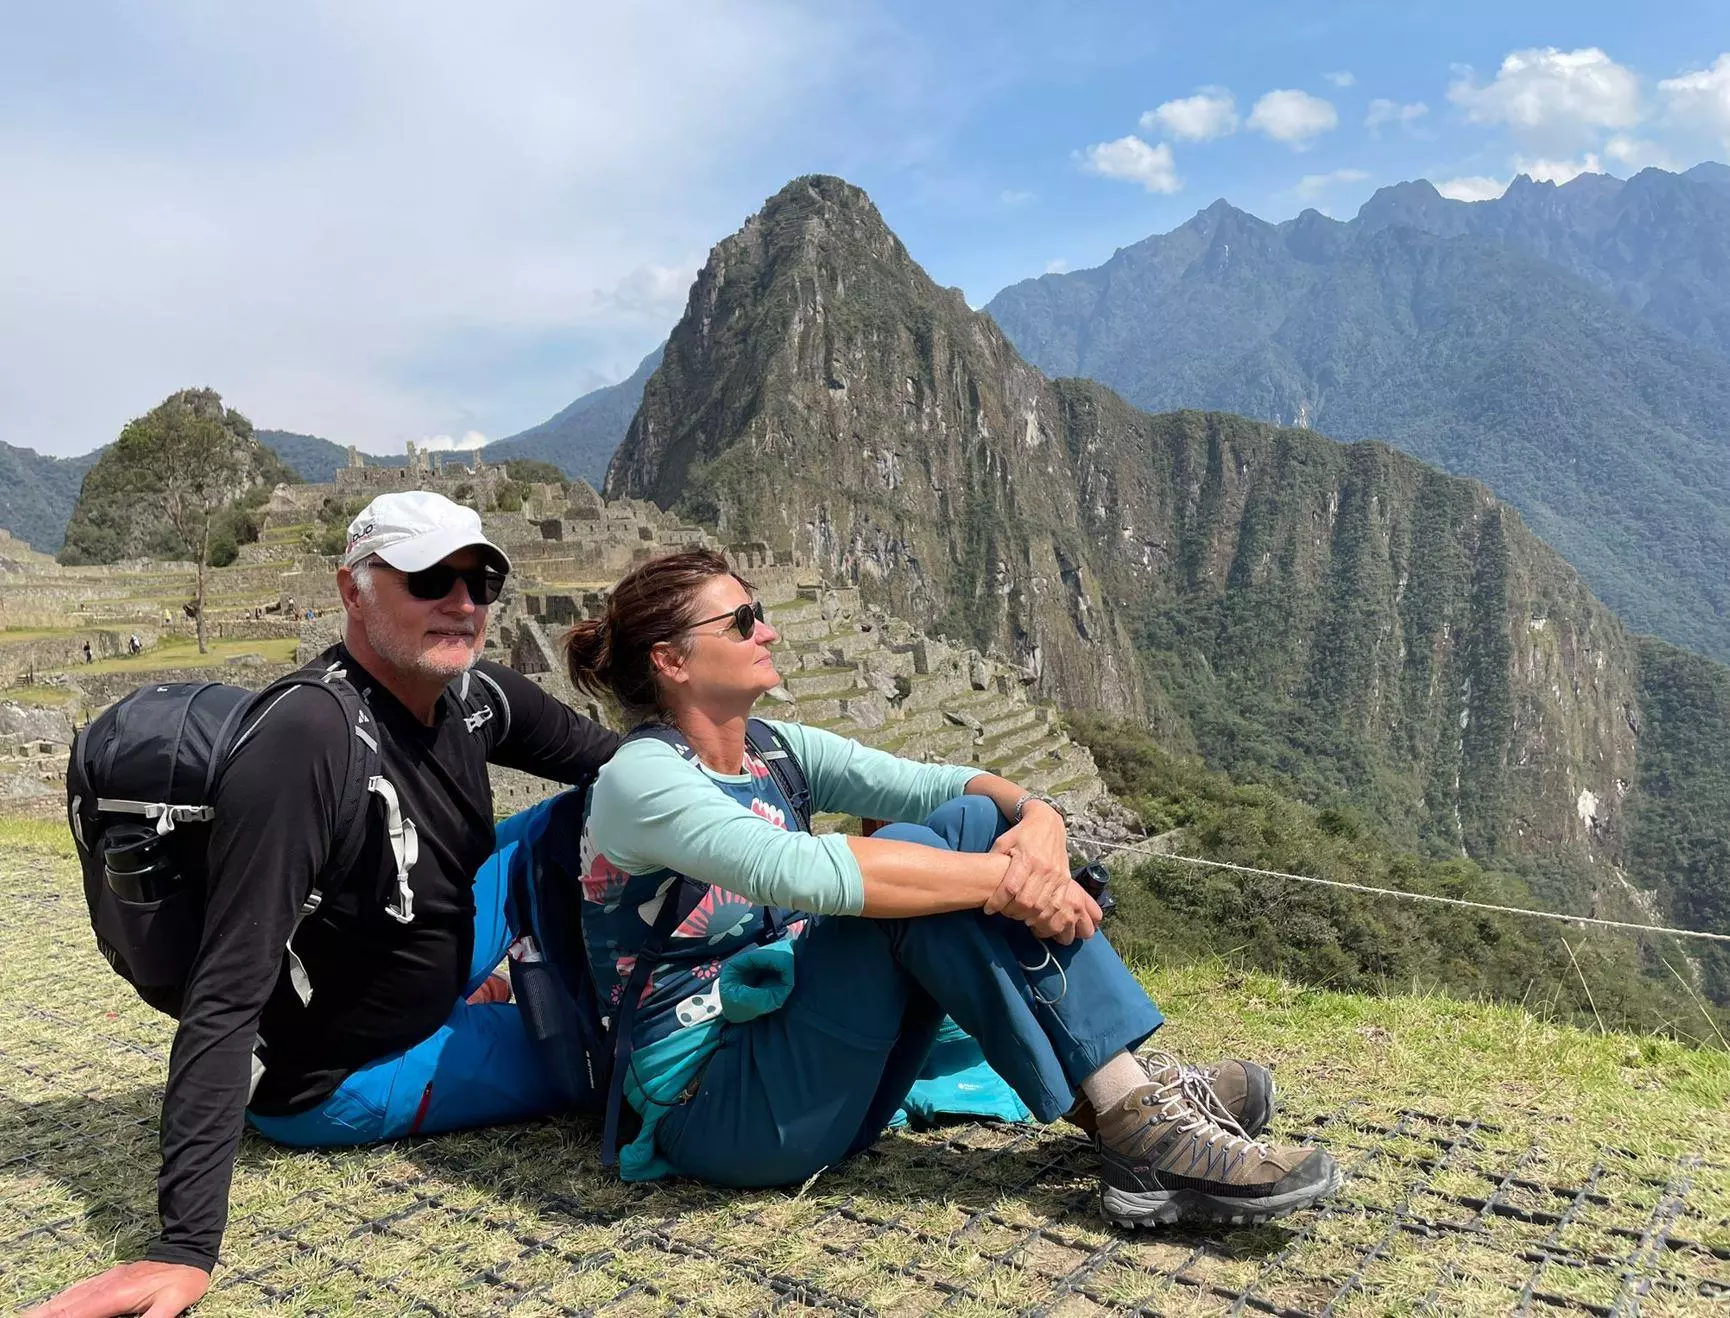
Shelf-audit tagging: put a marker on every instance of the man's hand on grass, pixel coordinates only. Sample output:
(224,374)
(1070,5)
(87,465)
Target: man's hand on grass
(155,1290)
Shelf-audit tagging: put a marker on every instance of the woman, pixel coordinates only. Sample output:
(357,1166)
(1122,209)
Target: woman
(787,1001)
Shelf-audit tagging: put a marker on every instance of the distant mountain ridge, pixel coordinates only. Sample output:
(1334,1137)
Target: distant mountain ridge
(1659,243)
(38,493)
(313,459)
(581,439)
(1498,340)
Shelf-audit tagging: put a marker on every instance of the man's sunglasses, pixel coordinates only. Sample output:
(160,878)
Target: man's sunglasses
(433,583)
(743,619)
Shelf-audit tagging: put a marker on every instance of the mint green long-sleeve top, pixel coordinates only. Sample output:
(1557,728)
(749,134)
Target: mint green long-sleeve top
(652,809)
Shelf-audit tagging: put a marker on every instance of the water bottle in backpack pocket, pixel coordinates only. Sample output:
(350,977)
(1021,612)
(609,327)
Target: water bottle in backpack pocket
(147,913)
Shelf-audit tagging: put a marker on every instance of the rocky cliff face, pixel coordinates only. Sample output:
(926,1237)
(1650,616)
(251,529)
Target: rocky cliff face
(1347,617)
(1341,615)
(822,393)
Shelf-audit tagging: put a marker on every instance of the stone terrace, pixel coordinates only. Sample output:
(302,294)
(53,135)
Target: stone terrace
(863,674)
(854,670)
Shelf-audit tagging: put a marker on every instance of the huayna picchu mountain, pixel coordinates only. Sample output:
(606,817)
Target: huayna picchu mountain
(1567,346)
(1339,616)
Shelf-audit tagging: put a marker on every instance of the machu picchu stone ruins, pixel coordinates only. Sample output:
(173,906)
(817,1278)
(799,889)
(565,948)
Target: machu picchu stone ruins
(846,665)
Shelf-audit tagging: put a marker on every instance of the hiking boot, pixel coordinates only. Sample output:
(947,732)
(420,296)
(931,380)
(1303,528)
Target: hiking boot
(1237,1094)
(1164,1162)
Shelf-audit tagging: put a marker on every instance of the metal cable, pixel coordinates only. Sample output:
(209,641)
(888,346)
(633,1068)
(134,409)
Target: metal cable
(1396,892)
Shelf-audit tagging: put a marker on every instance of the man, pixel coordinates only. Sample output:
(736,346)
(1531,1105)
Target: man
(389,1042)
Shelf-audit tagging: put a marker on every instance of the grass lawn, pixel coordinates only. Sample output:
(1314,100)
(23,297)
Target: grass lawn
(286,535)
(37,695)
(1496,1164)
(182,652)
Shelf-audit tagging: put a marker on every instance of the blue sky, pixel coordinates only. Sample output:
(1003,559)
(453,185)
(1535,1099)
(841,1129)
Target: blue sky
(393,221)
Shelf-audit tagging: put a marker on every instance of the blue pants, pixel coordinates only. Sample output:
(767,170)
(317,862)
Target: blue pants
(480,1068)
(803,1087)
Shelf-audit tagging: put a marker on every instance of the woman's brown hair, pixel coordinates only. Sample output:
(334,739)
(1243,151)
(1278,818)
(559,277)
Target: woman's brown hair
(654,602)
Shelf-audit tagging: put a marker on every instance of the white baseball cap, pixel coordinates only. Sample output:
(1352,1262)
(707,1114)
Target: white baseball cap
(414,529)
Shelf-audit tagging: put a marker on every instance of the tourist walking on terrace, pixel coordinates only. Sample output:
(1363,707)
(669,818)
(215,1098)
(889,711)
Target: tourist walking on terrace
(780,990)
(385,1041)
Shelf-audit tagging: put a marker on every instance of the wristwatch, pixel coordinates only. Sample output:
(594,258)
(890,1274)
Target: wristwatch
(1025,797)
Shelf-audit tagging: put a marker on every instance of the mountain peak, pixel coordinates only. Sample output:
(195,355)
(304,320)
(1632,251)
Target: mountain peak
(822,393)
(1709,171)
(1416,203)
(813,199)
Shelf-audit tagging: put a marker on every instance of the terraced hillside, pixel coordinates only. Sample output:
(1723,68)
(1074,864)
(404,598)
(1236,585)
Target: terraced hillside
(864,674)
(855,670)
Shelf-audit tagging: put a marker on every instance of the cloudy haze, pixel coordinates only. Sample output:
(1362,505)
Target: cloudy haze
(443,222)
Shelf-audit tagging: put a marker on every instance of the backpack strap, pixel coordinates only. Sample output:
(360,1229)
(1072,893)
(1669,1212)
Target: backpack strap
(784,767)
(478,690)
(648,957)
(364,765)
(765,743)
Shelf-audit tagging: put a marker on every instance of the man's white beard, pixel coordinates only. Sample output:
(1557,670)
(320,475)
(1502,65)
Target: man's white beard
(407,656)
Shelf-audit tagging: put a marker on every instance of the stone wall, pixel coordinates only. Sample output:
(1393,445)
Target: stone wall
(103,689)
(253,629)
(276,552)
(51,653)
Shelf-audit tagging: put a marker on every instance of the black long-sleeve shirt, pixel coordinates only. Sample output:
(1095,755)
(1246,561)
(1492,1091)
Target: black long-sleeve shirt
(379,986)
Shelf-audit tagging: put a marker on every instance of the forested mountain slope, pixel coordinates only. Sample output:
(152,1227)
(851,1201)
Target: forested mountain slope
(1424,324)
(37,493)
(582,438)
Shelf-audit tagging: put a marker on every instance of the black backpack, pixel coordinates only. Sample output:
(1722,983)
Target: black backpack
(585,1043)
(139,787)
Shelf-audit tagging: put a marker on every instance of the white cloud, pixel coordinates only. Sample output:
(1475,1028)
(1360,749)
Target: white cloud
(1383,111)
(1133,160)
(1637,154)
(651,293)
(1210,113)
(1558,171)
(1014,197)
(1553,99)
(1056,267)
(1341,78)
(468,442)
(1311,186)
(1474,187)
(1293,117)
(1701,100)
(469,192)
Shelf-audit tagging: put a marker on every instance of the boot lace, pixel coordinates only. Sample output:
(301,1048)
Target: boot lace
(1188,1099)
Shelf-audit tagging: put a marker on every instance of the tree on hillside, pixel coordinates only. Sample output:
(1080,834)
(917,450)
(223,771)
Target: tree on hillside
(532,471)
(192,456)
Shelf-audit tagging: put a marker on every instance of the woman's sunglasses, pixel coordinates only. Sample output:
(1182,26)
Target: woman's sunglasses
(433,583)
(743,619)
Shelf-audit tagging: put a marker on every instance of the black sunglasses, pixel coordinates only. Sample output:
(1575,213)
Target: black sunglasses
(433,583)
(744,618)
